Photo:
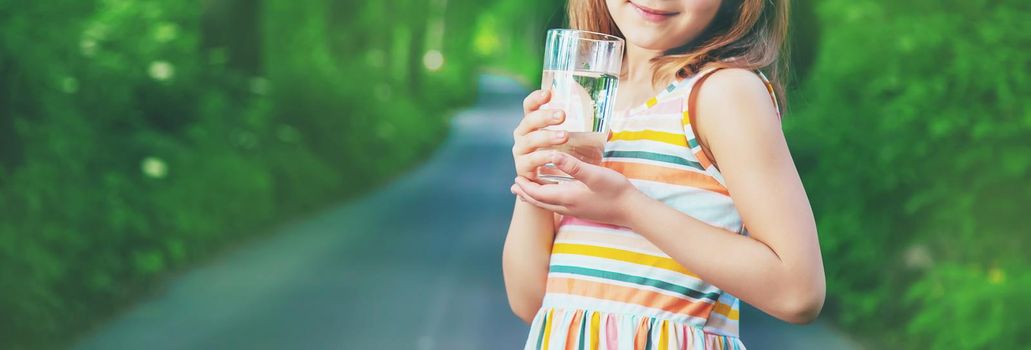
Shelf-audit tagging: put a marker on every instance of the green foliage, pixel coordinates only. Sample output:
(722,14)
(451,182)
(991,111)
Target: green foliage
(951,298)
(912,138)
(510,36)
(136,137)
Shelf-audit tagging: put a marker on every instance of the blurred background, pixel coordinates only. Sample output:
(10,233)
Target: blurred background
(310,168)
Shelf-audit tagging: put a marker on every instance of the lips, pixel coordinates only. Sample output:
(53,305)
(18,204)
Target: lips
(650,14)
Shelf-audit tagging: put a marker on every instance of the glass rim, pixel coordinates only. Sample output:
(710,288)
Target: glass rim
(569,31)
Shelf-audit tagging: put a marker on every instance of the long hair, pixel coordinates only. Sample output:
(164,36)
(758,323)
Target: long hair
(747,34)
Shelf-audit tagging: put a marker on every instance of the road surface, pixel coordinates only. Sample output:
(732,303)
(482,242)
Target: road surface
(414,265)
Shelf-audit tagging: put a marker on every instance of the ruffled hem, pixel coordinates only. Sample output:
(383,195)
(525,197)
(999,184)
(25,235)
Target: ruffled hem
(580,329)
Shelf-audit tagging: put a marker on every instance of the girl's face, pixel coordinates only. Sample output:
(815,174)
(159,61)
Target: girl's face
(662,24)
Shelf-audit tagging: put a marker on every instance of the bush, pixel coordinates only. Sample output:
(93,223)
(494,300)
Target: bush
(913,143)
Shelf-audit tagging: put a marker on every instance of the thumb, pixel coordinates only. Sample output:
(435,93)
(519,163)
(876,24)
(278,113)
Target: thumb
(574,167)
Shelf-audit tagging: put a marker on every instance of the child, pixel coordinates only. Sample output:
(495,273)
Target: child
(650,250)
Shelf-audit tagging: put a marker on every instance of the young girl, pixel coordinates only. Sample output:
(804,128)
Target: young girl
(651,250)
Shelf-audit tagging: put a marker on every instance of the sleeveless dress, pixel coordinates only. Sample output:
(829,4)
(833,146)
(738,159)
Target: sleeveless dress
(610,288)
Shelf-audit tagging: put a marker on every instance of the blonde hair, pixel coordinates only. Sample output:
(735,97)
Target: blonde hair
(749,34)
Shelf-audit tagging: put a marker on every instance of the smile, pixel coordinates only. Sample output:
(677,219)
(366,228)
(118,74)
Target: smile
(651,14)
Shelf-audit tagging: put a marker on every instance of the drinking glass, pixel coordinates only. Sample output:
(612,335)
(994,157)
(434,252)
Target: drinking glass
(582,70)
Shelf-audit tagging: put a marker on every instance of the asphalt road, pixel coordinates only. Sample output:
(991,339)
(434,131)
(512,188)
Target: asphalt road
(413,265)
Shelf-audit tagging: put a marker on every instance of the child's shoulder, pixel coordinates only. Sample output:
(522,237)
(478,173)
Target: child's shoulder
(728,90)
(735,105)
(722,82)
(733,83)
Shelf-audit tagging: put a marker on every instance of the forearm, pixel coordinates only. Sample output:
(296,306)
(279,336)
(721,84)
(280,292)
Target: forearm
(526,256)
(743,266)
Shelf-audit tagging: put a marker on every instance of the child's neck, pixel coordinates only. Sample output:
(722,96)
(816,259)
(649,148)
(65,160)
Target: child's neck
(636,87)
(638,62)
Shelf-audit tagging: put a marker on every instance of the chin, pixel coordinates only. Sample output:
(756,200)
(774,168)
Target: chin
(661,25)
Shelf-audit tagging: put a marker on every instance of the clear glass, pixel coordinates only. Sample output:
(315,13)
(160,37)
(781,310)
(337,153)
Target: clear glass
(582,70)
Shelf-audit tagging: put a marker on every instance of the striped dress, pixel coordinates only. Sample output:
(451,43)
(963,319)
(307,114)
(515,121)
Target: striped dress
(610,288)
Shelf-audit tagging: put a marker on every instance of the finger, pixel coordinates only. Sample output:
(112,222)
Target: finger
(547,194)
(538,139)
(527,164)
(535,99)
(576,168)
(539,119)
(519,194)
(529,199)
(532,160)
(523,197)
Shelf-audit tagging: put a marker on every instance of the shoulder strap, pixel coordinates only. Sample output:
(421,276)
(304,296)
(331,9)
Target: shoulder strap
(773,94)
(692,92)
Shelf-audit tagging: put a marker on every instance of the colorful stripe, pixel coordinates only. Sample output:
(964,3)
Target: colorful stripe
(621,255)
(546,337)
(614,331)
(543,333)
(663,336)
(651,101)
(638,243)
(611,333)
(572,220)
(642,281)
(671,305)
(641,338)
(595,320)
(658,157)
(727,311)
(573,326)
(666,175)
(650,135)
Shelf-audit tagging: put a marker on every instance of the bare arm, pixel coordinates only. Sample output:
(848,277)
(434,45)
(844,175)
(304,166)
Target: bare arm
(527,250)
(778,268)
(526,256)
